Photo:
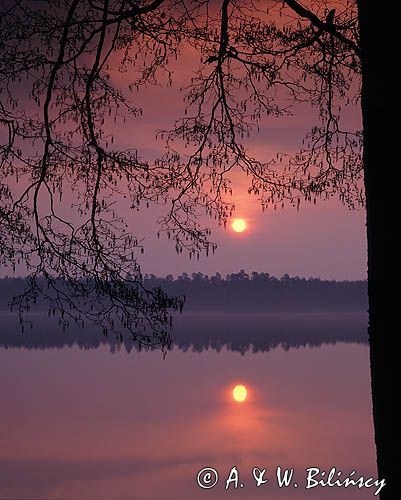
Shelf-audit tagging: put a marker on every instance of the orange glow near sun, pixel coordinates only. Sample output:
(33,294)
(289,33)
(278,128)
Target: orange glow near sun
(239,393)
(238,225)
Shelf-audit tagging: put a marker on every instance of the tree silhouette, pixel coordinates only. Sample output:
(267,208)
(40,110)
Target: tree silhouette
(255,62)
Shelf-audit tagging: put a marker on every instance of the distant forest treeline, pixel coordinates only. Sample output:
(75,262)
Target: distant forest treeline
(263,292)
(243,292)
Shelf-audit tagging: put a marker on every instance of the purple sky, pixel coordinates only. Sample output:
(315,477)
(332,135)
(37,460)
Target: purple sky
(327,240)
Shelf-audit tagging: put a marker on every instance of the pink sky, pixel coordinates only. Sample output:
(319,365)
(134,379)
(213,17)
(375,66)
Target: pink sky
(325,240)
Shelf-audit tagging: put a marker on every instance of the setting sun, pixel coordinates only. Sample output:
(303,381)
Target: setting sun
(238,225)
(239,393)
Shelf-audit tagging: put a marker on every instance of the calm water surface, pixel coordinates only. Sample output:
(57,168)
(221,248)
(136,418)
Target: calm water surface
(91,424)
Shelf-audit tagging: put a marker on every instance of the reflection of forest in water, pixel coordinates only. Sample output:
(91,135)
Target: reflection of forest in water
(198,331)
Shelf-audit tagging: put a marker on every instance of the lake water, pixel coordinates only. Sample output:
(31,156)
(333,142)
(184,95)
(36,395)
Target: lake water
(95,424)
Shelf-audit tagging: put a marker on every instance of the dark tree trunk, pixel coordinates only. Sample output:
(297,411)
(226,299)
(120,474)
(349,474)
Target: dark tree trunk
(381,151)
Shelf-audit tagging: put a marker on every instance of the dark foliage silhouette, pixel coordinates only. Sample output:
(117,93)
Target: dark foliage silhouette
(255,62)
(59,105)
